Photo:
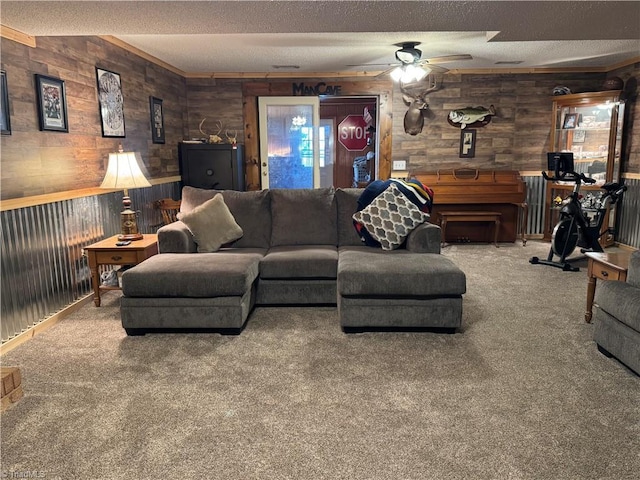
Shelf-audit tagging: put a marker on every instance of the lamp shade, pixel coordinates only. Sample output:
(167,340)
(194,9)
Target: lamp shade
(123,171)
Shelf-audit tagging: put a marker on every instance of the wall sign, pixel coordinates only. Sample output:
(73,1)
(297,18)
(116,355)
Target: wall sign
(320,88)
(353,133)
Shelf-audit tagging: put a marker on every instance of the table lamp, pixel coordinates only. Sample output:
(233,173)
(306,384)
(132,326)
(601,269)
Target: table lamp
(123,171)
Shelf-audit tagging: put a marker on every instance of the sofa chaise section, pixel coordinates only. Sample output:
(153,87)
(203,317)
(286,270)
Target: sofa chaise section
(213,291)
(398,289)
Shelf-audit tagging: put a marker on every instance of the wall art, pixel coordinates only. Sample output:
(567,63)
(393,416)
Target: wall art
(111,103)
(467,143)
(157,120)
(52,104)
(5,119)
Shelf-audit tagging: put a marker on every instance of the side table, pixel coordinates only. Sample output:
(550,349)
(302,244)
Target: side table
(605,266)
(106,252)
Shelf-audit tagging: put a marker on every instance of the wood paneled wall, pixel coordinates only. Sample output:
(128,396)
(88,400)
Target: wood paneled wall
(216,101)
(631,136)
(517,137)
(35,162)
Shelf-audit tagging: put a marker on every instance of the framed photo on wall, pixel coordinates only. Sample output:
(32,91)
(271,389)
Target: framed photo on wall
(111,103)
(467,143)
(5,119)
(570,120)
(52,104)
(157,120)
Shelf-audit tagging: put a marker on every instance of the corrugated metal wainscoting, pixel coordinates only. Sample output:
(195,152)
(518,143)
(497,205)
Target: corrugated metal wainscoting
(628,231)
(536,190)
(43,268)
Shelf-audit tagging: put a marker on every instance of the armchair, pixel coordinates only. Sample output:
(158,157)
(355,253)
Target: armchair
(617,317)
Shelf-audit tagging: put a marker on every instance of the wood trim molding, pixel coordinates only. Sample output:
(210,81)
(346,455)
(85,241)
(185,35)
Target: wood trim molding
(281,75)
(17,36)
(44,324)
(142,54)
(15,203)
(631,176)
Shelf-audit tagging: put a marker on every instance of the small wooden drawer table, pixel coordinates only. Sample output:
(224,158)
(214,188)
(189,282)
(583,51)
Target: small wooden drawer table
(605,266)
(106,252)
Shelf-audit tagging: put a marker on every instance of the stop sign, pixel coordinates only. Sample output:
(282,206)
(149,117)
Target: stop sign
(352,133)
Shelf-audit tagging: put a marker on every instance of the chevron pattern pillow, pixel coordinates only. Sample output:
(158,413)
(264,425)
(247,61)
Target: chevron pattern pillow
(390,217)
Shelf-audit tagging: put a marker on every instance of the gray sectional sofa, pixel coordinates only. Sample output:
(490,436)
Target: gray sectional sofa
(298,247)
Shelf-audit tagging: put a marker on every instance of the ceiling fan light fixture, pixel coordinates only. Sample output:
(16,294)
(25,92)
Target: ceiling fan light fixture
(397,73)
(409,73)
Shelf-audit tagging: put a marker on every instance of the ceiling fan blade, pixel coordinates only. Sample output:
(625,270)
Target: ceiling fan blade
(386,72)
(448,58)
(436,68)
(371,65)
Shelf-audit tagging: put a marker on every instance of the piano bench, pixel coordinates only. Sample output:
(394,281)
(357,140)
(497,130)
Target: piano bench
(470,216)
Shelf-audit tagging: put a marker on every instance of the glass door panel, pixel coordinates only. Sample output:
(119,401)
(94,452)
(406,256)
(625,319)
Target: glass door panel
(289,142)
(327,152)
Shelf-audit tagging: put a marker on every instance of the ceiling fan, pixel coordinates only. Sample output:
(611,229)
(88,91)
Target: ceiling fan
(412,66)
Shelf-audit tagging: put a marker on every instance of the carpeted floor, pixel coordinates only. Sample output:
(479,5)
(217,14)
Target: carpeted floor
(521,392)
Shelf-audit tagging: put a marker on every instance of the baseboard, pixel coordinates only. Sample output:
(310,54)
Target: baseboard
(44,324)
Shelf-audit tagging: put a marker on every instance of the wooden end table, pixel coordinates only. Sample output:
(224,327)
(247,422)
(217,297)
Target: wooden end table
(106,252)
(605,266)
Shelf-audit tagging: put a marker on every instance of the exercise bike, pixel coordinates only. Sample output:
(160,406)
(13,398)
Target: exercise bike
(575,227)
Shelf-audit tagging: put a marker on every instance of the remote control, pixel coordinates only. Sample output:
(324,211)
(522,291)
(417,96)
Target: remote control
(123,243)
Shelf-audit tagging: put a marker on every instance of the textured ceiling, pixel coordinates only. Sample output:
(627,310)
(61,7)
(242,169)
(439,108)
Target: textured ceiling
(342,36)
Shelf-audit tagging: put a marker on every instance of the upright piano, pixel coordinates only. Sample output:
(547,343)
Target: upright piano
(470,190)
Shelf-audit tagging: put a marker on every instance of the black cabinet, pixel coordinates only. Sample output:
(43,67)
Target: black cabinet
(219,167)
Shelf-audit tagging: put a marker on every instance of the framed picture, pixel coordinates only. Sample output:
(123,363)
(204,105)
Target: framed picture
(157,120)
(111,103)
(579,136)
(52,104)
(467,143)
(5,120)
(570,120)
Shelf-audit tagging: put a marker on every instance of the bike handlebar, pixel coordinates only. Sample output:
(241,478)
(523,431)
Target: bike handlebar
(569,177)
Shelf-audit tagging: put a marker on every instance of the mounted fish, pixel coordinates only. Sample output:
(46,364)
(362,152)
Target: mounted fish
(414,95)
(471,116)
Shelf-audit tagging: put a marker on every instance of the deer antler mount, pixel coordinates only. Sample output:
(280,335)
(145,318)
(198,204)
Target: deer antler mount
(414,95)
(211,138)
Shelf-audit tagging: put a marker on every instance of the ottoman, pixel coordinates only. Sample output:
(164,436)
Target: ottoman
(398,289)
(173,291)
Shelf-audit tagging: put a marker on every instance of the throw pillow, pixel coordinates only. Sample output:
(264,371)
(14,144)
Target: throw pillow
(390,217)
(211,224)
